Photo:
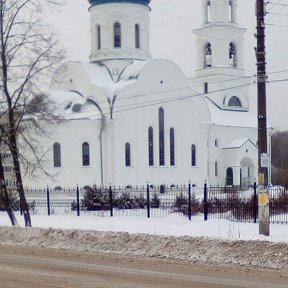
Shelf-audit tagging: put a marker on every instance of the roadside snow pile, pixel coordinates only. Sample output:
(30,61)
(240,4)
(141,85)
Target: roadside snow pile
(172,225)
(192,249)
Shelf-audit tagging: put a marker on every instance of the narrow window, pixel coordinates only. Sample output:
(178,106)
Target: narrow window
(172,147)
(208,56)
(57,154)
(193,155)
(208,12)
(206,87)
(117,35)
(229,176)
(231,12)
(161,138)
(98,37)
(127,155)
(232,55)
(216,169)
(151,146)
(85,154)
(137,36)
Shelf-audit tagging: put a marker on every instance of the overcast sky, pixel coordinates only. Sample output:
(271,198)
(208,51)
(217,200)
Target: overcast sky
(171,37)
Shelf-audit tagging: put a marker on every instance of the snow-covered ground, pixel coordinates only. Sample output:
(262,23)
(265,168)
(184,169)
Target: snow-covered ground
(172,225)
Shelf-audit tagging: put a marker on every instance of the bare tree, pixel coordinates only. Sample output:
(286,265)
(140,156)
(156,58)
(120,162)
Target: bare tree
(4,196)
(29,53)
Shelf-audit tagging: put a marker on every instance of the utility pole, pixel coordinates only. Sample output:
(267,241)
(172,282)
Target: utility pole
(263,162)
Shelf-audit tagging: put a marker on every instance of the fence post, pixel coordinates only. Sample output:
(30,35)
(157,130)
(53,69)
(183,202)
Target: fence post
(111,200)
(48,201)
(255,212)
(189,201)
(205,201)
(78,200)
(148,201)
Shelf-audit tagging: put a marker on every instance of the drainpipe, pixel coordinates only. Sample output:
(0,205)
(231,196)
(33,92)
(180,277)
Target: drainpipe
(101,147)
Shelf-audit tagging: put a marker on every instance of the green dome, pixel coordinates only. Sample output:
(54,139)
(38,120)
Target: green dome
(140,2)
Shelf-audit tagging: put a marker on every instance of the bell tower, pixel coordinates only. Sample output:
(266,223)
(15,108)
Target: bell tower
(219,39)
(220,56)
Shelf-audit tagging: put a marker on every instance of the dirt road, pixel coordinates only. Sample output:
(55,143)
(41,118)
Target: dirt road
(41,268)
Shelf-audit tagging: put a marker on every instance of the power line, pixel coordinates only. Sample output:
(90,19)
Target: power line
(279,14)
(277,4)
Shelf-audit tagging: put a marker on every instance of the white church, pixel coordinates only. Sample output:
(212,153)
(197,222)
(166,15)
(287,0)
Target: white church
(131,119)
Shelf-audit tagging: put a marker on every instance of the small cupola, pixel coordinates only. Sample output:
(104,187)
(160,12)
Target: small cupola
(119,30)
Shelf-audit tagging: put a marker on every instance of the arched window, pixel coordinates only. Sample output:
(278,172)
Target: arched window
(172,147)
(57,154)
(229,176)
(234,102)
(98,28)
(161,138)
(232,55)
(117,35)
(127,155)
(151,146)
(208,56)
(193,155)
(85,154)
(208,11)
(137,36)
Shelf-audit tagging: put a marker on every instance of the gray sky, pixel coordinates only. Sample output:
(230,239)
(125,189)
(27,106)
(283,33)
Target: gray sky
(171,37)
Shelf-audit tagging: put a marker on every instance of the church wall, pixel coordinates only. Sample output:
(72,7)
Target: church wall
(224,135)
(71,135)
(161,83)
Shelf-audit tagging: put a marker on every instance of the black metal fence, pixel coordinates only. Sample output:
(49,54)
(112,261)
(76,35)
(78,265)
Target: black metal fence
(231,203)
(149,201)
(234,204)
(214,202)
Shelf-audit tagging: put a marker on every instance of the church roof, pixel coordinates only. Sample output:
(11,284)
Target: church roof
(98,2)
(230,118)
(71,105)
(237,143)
(96,98)
(100,77)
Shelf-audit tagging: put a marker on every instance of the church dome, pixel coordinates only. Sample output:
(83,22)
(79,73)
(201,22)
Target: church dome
(140,2)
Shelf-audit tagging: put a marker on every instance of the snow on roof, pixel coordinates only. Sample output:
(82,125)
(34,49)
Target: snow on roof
(132,71)
(71,105)
(100,76)
(231,118)
(237,143)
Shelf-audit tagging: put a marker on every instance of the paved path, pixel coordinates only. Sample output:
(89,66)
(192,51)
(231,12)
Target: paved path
(41,268)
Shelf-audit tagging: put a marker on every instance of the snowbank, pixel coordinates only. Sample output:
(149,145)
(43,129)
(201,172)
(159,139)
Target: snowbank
(172,225)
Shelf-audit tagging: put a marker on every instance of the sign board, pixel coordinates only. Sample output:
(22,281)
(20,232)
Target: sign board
(263,199)
(265,160)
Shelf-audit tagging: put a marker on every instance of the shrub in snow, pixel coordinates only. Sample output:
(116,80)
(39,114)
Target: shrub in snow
(126,201)
(181,204)
(279,203)
(155,201)
(96,198)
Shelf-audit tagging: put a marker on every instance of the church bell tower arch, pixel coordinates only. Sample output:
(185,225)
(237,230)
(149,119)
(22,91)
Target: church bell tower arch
(221,30)
(220,55)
